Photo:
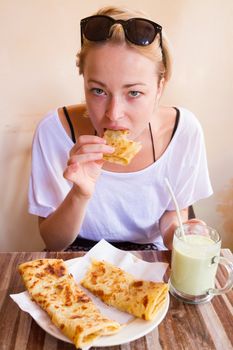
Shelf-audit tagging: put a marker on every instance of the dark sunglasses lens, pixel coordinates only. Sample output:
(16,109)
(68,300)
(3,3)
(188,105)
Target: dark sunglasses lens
(97,29)
(141,32)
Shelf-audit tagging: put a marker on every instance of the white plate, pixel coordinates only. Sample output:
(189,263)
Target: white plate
(133,330)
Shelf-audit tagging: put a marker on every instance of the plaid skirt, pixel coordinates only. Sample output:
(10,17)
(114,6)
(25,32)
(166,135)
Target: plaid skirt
(82,244)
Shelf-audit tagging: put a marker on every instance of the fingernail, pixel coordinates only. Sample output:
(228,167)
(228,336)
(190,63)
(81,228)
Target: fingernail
(111,149)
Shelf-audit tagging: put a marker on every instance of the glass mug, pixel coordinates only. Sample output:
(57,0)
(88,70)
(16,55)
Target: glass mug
(195,260)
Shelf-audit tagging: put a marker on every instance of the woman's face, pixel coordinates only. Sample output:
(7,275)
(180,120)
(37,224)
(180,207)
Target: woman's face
(121,88)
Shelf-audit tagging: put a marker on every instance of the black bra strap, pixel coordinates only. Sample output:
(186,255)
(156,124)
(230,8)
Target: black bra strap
(173,131)
(176,122)
(152,143)
(70,124)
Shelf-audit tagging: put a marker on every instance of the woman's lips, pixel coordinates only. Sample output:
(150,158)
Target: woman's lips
(115,127)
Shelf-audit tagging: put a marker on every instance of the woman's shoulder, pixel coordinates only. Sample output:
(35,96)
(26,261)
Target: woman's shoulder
(189,125)
(57,119)
(189,130)
(188,117)
(50,134)
(47,122)
(171,112)
(182,119)
(78,116)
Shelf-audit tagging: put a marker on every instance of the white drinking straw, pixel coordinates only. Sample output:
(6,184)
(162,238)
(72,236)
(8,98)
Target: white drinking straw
(176,206)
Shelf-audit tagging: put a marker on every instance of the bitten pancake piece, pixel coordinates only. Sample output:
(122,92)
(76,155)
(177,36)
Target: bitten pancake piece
(125,149)
(52,287)
(120,289)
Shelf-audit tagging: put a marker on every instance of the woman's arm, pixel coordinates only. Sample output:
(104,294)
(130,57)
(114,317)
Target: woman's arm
(168,223)
(60,228)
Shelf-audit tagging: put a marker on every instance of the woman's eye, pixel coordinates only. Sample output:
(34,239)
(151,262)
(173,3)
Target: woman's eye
(134,93)
(98,91)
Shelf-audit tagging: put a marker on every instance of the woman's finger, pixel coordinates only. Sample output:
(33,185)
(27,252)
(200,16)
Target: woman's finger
(91,148)
(86,139)
(84,158)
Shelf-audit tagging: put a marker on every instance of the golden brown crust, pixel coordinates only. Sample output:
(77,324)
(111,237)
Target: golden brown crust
(70,309)
(125,149)
(120,289)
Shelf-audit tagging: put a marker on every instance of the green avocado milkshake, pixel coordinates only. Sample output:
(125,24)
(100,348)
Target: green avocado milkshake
(193,271)
(195,260)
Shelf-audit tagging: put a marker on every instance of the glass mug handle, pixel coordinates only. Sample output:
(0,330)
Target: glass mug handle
(229,283)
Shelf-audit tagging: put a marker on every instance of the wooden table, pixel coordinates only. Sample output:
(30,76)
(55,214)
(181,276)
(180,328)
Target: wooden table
(206,326)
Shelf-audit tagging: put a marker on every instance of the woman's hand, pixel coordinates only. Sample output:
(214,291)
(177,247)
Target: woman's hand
(169,223)
(85,163)
(195,221)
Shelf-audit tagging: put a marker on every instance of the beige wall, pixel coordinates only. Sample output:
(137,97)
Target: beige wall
(39,40)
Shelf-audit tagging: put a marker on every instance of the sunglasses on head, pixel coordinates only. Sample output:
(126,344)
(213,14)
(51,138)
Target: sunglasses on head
(138,31)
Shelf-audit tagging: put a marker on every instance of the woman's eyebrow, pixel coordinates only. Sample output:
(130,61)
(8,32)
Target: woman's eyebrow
(125,86)
(96,82)
(133,84)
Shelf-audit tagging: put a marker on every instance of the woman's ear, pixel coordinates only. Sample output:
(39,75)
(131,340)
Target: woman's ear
(160,88)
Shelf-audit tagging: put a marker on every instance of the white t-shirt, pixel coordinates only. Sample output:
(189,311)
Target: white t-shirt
(125,206)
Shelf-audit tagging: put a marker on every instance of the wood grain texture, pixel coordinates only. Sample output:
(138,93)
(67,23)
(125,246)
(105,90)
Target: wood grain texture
(185,327)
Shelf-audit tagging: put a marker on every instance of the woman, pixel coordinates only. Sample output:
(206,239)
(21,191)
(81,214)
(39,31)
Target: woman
(77,195)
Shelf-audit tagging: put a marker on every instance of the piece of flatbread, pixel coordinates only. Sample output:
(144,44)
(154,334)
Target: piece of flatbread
(70,309)
(125,149)
(120,289)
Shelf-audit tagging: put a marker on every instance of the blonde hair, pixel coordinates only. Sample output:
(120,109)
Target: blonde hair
(162,57)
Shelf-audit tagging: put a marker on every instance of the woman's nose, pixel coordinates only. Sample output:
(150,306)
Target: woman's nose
(114,109)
